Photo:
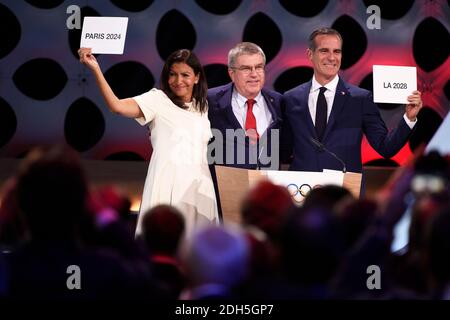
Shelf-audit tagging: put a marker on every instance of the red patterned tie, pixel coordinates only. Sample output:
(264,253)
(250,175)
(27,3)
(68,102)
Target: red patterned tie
(250,122)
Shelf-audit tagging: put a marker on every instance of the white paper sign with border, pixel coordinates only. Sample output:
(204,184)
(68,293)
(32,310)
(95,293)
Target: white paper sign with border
(393,84)
(105,35)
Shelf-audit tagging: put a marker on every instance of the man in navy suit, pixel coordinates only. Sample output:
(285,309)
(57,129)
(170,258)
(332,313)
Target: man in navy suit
(245,139)
(328,113)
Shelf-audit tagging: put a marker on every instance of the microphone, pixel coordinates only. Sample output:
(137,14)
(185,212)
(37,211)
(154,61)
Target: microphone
(258,167)
(321,147)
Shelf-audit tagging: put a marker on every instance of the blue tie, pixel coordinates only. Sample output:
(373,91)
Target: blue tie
(321,113)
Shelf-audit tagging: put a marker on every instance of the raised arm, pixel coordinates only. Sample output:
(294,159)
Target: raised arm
(126,107)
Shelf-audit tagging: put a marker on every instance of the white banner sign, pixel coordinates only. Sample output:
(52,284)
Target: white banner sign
(393,84)
(104,35)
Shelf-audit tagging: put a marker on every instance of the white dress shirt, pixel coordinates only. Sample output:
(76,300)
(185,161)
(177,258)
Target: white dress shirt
(260,111)
(329,96)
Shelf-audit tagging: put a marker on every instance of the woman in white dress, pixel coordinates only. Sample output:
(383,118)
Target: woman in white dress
(176,114)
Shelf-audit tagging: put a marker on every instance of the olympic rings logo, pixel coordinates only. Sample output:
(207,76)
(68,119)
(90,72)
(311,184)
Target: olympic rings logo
(297,193)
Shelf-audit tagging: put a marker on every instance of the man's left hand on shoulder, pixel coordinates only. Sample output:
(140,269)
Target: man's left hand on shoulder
(414,105)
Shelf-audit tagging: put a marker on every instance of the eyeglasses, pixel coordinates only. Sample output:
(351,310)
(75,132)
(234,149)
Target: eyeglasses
(248,69)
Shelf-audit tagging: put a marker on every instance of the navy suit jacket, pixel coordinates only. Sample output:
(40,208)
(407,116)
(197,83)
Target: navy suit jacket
(353,114)
(221,116)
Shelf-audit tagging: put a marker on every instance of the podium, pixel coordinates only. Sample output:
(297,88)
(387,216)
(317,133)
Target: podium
(234,183)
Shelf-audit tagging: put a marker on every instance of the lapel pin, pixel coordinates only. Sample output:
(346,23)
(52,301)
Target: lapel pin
(343,93)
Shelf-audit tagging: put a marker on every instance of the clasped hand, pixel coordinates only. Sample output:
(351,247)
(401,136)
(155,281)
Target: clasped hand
(87,58)
(414,105)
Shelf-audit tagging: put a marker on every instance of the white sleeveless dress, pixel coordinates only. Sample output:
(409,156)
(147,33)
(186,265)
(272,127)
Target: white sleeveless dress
(178,172)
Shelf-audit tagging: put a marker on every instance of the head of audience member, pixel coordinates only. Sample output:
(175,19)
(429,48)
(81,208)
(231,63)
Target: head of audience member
(438,248)
(217,256)
(183,80)
(111,197)
(326,197)
(354,217)
(265,207)
(162,229)
(423,211)
(311,246)
(430,187)
(246,67)
(51,192)
(431,175)
(12,228)
(4,277)
(325,53)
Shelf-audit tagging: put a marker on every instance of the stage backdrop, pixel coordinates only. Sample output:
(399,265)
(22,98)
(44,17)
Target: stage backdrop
(47,96)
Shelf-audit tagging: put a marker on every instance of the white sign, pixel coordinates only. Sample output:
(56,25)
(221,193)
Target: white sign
(393,84)
(300,183)
(104,35)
